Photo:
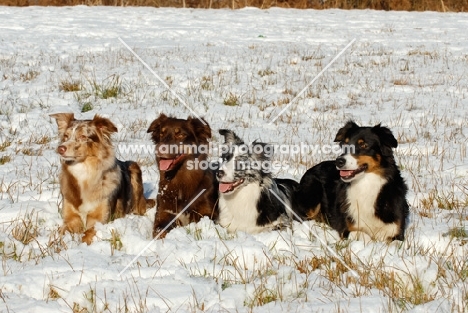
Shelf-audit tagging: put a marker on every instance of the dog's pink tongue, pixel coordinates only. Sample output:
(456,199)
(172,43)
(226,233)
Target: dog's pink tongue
(345,173)
(224,187)
(165,164)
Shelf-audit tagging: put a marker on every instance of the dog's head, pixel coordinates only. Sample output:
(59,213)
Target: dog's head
(365,150)
(178,140)
(242,164)
(80,139)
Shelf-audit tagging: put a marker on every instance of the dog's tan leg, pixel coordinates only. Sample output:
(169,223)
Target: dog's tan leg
(100,214)
(137,189)
(119,210)
(71,219)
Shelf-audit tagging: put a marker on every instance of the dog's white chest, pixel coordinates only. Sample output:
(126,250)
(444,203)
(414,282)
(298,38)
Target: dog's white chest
(238,211)
(362,195)
(79,171)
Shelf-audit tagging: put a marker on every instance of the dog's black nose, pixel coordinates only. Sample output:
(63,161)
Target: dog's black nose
(220,173)
(340,162)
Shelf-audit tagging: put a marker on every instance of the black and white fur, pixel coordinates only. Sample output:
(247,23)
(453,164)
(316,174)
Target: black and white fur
(246,199)
(362,190)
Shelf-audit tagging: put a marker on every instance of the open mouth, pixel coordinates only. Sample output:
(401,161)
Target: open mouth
(166,164)
(226,187)
(349,174)
(68,160)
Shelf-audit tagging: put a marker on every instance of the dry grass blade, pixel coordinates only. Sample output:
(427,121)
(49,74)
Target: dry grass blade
(26,229)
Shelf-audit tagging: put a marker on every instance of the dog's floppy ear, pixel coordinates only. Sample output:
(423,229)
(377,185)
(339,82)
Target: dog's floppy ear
(104,124)
(201,128)
(230,137)
(63,121)
(343,132)
(387,140)
(155,127)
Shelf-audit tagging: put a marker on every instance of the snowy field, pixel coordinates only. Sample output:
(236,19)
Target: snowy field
(238,69)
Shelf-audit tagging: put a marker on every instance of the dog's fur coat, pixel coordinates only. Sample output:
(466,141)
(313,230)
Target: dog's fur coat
(362,190)
(96,187)
(180,180)
(248,199)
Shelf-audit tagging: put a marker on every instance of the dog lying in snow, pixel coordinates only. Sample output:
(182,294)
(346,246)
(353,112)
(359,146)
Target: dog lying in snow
(96,187)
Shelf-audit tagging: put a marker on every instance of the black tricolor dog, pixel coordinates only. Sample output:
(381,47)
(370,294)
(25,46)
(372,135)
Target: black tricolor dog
(248,195)
(362,190)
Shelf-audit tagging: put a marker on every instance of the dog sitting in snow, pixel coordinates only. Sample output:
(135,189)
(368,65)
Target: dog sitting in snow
(250,199)
(96,187)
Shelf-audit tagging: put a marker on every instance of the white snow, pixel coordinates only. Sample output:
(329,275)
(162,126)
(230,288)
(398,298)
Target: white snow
(408,71)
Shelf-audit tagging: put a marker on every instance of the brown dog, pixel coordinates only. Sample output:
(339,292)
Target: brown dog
(180,147)
(96,187)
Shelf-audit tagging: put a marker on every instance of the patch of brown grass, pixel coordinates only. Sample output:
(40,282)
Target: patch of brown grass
(387,5)
(26,229)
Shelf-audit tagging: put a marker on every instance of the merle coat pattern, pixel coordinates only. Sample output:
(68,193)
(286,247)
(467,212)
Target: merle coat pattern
(248,193)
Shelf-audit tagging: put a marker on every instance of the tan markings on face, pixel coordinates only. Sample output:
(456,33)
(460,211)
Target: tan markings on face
(346,140)
(373,164)
(362,144)
(312,213)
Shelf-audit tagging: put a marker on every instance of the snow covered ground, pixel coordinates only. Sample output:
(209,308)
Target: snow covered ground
(238,69)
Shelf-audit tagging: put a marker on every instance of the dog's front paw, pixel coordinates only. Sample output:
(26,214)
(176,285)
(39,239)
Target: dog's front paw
(88,236)
(159,233)
(73,226)
(150,203)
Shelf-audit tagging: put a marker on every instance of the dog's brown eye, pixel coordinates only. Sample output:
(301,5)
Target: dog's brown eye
(65,137)
(362,144)
(83,138)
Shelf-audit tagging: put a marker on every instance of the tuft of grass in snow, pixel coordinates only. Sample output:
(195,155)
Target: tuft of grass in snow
(70,85)
(4,145)
(29,75)
(443,199)
(5,159)
(458,232)
(26,229)
(266,72)
(111,87)
(115,241)
(231,100)
(87,106)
